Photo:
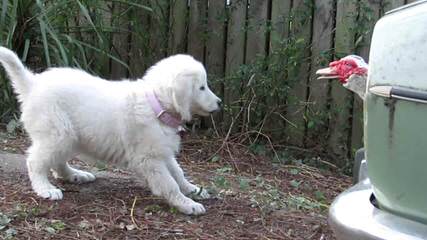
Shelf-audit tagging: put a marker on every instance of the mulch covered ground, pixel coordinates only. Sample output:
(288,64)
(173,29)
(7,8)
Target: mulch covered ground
(254,198)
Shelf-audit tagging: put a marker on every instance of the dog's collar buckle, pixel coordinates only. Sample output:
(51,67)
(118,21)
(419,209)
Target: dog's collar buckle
(160,113)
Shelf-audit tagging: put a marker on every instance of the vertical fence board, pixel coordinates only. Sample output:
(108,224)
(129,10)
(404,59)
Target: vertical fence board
(139,49)
(215,48)
(280,11)
(215,43)
(375,9)
(102,60)
(178,27)
(120,40)
(321,52)
(197,29)
(256,30)
(255,48)
(235,52)
(159,30)
(235,36)
(341,103)
(301,31)
(279,34)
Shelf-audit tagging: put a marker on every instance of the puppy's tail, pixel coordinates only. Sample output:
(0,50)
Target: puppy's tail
(20,76)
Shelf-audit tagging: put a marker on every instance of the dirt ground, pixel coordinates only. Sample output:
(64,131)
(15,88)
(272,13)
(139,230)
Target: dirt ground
(254,198)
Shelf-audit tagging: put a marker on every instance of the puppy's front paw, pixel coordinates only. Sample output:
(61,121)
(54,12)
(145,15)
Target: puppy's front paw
(50,194)
(192,208)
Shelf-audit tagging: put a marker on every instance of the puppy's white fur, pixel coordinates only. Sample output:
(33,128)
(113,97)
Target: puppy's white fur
(68,112)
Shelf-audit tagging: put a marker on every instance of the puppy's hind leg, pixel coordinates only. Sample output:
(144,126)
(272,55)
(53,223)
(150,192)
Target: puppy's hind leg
(41,157)
(65,171)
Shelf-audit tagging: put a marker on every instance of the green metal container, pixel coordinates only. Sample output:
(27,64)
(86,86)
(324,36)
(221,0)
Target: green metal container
(396,127)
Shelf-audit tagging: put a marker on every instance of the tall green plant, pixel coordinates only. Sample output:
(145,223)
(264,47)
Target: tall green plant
(60,33)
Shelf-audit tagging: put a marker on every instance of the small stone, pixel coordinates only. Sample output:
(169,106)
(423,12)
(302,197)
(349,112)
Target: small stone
(130,227)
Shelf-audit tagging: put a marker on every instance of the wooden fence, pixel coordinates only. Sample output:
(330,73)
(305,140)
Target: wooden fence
(231,36)
(261,57)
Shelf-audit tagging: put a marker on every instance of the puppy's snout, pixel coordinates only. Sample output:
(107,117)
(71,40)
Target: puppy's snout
(218,107)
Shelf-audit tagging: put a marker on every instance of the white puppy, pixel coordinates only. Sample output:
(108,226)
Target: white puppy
(68,112)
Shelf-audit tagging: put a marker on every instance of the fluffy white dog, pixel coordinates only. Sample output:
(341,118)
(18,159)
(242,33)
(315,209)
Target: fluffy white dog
(68,112)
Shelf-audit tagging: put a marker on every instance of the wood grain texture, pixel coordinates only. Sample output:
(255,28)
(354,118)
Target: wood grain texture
(178,27)
(341,98)
(120,41)
(297,98)
(197,29)
(321,52)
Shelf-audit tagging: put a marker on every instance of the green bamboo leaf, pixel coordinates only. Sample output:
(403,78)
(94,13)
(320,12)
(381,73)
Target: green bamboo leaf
(103,52)
(81,50)
(136,5)
(12,28)
(87,16)
(59,44)
(4,7)
(45,43)
(26,48)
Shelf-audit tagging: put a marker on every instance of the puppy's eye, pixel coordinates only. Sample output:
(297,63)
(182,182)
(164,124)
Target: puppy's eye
(202,88)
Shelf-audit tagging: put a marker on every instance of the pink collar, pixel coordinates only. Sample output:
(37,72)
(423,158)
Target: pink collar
(167,118)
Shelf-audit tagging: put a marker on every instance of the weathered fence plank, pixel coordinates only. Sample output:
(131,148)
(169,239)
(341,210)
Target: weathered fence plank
(341,103)
(235,53)
(215,43)
(159,30)
(102,60)
(321,55)
(120,41)
(256,30)
(197,29)
(280,16)
(256,44)
(215,49)
(296,103)
(139,59)
(235,36)
(279,34)
(178,27)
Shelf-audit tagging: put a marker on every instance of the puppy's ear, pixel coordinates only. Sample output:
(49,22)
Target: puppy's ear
(182,94)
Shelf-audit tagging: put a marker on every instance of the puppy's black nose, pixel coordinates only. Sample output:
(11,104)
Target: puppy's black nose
(219,102)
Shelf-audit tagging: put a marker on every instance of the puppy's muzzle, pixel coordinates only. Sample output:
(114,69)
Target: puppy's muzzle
(219,106)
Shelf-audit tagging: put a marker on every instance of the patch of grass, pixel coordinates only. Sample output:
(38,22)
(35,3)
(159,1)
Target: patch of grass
(58,225)
(304,203)
(226,169)
(4,221)
(9,234)
(295,183)
(243,183)
(22,211)
(84,224)
(153,208)
(215,158)
(221,182)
